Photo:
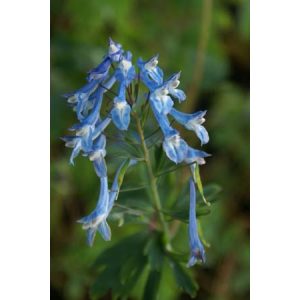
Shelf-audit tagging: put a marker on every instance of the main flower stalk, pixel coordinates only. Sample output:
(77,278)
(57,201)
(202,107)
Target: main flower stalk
(153,181)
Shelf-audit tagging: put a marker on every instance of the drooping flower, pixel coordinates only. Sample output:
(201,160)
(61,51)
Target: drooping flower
(197,251)
(175,147)
(97,155)
(93,221)
(161,100)
(151,74)
(121,111)
(78,143)
(192,122)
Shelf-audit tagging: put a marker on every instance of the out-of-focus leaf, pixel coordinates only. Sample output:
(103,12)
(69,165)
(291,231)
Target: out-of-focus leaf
(183,213)
(154,252)
(211,192)
(152,285)
(183,279)
(120,266)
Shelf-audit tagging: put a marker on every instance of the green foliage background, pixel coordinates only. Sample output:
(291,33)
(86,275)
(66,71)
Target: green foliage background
(209,42)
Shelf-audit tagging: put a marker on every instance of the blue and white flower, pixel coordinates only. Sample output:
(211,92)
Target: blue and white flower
(192,122)
(196,247)
(121,111)
(151,74)
(175,147)
(101,71)
(114,51)
(161,100)
(97,155)
(171,84)
(94,221)
(125,72)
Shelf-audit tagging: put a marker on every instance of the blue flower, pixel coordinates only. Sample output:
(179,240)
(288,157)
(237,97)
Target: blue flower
(195,155)
(196,248)
(78,143)
(151,74)
(101,71)
(114,51)
(80,97)
(160,96)
(94,221)
(121,111)
(89,122)
(192,122)
(125,72)
(97,155)
(161,100)
(172,84)
(100,127)
(175,147)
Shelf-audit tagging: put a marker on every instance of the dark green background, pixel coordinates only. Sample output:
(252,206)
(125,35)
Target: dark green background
(209,42)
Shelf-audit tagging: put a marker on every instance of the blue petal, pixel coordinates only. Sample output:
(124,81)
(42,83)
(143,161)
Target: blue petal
(196,248)
(75,153)
(202,134)
(162,106)
(183,118)
(100,127)
(175,152)
(100,167)
(179,94)
(104,230)
(121,117)
(101,71)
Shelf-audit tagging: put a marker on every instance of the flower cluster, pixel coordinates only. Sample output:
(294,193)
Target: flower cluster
(90,140)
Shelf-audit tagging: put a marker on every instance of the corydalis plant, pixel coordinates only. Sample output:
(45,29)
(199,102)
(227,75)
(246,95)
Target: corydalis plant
(117,69)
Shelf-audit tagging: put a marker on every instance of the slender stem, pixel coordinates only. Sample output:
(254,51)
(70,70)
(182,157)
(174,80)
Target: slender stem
(153,183)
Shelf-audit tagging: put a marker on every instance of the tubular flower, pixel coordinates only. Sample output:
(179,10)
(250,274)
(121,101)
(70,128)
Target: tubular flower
(151,74)
(192,122)
(121,111)
(196,248)
(93,221)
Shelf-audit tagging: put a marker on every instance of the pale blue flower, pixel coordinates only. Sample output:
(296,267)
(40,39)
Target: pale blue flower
(171,84)
(125,71)
(151,74)
(93,221)
(192,122)
(78,143)
(196,247)
(161,100)
(114,51)
(175,147)
(195,155)
(121,111)
(97,155)
(101,71)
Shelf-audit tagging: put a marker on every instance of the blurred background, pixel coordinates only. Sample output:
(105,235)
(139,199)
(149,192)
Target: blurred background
(209,42)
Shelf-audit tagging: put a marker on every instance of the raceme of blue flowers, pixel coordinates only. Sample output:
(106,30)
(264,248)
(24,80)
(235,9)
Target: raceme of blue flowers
(89,139)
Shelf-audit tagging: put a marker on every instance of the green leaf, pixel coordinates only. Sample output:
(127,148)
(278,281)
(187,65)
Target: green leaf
(154,251)
(182,214)
(199,183)
(183,279)
(120,266)
(211,191)
(152,285)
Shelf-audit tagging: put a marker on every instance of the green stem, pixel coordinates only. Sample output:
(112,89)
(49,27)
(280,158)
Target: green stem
(153,183)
